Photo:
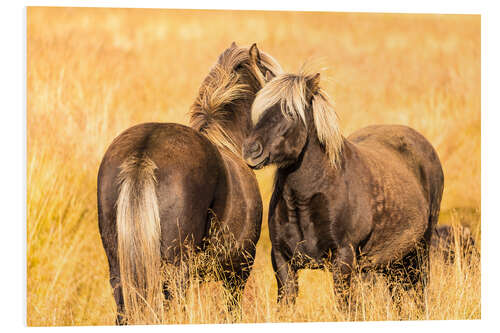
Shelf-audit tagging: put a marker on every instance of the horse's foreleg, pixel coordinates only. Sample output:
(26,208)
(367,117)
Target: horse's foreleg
(342,266)
(286,276)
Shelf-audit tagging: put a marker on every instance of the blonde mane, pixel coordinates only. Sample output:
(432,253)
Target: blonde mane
(222,87)
(290,91)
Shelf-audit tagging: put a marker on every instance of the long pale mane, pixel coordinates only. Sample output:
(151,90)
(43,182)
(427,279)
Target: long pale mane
(223,86)
(290,91)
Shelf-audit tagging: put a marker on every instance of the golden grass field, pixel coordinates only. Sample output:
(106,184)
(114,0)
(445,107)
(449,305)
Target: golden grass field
(92,73)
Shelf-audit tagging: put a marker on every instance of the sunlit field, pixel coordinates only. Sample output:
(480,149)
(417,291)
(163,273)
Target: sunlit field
(92,73)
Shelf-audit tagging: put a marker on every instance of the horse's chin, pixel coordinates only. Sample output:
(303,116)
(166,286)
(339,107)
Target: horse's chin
(259,164)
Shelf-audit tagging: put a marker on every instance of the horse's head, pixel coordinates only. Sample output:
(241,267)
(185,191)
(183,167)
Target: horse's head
(288,111)
(253,67)
(222,108)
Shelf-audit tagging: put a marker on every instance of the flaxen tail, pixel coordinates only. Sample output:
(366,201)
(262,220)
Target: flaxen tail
(138,225)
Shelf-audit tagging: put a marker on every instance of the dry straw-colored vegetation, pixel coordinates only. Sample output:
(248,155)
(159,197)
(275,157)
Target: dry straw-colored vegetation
(91,73)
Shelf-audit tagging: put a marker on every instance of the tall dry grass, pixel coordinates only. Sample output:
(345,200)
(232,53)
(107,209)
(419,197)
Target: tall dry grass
(91,73)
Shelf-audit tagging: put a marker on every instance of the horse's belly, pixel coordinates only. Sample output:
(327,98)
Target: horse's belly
(400,212)
(394,235)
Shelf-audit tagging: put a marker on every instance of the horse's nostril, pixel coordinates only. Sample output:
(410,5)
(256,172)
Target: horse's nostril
(255,149)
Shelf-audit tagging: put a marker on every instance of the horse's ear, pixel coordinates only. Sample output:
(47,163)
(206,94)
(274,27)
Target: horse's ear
(254,54)
(269,76)
(233,45)
(313,83)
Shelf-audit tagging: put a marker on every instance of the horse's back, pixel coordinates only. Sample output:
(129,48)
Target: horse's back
(403,144)
(402,140)
(187,171)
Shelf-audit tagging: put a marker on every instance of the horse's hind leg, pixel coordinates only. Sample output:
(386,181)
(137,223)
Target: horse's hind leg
(234,284)
(410,272)
(418,272)
(115,281)
(176,283)
(118,295)
(107,229)
(235,276)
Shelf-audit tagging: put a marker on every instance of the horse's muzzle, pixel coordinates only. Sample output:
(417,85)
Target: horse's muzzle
(253,155)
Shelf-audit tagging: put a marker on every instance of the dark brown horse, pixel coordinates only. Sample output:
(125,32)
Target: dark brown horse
(162,185)
(372,198)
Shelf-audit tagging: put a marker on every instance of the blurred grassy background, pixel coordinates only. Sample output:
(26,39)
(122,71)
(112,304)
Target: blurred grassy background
(91,73)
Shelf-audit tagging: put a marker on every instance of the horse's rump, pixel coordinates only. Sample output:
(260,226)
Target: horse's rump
(156,184)
(188,171)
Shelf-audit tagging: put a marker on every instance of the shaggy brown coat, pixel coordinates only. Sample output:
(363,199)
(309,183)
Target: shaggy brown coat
(161,187)
(370,200)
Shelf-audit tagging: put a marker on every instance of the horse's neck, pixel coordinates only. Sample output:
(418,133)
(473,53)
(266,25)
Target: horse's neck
(314,170)
(237,130)
(239,125)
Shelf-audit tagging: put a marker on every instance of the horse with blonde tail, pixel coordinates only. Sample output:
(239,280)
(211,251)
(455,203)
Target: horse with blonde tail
(163,187)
